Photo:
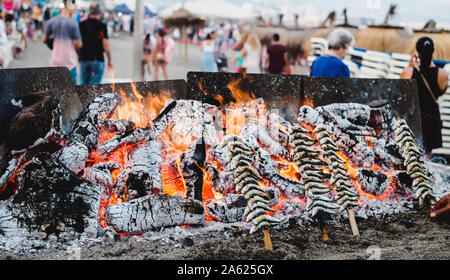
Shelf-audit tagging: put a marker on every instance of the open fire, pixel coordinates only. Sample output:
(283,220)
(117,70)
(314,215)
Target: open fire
(138,164)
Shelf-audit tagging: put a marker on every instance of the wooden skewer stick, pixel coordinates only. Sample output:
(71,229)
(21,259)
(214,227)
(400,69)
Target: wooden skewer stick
(267,240)
(353,224)
(323,230)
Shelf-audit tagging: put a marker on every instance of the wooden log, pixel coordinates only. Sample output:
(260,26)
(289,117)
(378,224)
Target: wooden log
(50,198)
(154,212)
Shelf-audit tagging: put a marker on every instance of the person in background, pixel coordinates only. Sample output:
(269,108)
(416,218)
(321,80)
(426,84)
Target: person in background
(159,55)
(330,64)
(37,17)
(277,56)
(149,44)
(95,42)
(3,36)
(432,82)
(251,52)
(18,38)
(66,39)
(208,49)
(8,6)
(239,60)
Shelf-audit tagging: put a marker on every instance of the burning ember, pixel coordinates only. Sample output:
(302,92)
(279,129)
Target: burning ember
(138,163)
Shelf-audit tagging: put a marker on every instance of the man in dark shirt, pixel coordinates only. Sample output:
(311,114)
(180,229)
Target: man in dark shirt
(278,58)
(95,43)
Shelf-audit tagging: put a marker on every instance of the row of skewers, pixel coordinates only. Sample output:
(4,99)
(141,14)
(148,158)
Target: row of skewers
(313,151)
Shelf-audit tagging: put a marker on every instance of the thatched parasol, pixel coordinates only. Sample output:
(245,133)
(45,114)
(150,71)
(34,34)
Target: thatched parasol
(408,45)
(182,19)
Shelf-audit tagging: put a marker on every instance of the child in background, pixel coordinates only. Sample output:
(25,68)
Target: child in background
(239,60)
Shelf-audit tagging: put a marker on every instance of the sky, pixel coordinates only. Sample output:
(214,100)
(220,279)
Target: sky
(407,10)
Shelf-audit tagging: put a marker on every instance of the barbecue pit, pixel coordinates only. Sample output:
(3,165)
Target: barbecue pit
(138,158)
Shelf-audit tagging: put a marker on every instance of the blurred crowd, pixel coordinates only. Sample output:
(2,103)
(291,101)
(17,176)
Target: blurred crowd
(24,20)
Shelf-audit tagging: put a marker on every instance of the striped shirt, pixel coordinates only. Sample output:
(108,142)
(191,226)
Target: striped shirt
(64,30)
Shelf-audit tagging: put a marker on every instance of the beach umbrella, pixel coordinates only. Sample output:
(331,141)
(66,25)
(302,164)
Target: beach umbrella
(182,19)
(122,8)
(148,12)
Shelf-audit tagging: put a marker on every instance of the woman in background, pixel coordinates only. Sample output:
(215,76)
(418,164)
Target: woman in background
(147,55)
(251,52)
(432,82)
(159,58)
(208,55)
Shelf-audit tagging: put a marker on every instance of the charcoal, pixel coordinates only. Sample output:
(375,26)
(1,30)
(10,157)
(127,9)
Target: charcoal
(192,162)
(118,126)
(372,182)
(228,209)
(50,198)
(217,180)
(154,212)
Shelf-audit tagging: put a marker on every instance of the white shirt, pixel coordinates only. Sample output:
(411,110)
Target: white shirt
(3,37)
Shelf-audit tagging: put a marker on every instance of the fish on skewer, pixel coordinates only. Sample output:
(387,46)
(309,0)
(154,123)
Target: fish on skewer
(346,196)
(247,181)
(415,168)
(307,160)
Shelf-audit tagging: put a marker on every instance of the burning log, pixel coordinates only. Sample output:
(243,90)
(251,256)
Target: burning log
(346,196)
(228,209)
(137,135)
(147,159)
(307,160)
(50,198)
(192,162)
(422,183)
(87,129)
(247,181)
(154,212)
(273,147)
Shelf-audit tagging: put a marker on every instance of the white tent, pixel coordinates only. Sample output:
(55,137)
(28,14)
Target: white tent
(212,8)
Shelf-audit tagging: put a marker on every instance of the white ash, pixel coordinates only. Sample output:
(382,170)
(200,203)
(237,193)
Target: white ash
(100,174)
(73,156)
(8,172)
(228,209)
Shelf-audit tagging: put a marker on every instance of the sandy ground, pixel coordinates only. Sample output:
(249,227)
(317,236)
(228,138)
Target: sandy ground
(38,55)
(403,236)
